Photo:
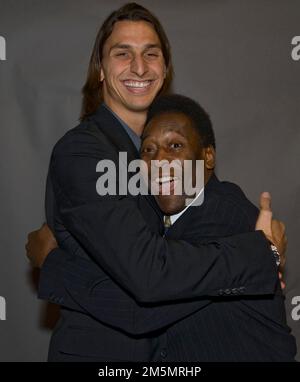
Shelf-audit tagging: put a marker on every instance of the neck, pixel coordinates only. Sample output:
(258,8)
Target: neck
(134,119)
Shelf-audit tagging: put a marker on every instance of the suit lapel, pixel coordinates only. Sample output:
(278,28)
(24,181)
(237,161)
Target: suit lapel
(191,217)
(111,127)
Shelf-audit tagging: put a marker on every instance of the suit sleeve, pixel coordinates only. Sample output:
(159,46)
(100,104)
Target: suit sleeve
(149,267)
(81,286)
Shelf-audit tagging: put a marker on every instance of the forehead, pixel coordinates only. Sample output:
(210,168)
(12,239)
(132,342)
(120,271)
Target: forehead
(134,33)
(170,121)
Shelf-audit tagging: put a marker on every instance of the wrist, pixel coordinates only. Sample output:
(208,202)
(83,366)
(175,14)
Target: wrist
(50,258)
(276,253)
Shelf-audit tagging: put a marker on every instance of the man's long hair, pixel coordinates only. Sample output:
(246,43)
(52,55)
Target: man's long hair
(92,90)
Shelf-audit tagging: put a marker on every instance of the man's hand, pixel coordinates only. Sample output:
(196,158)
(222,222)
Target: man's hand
(279,239)
(274,230)
(282,283)
(40,243)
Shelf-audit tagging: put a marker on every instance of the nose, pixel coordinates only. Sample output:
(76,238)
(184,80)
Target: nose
(139,65)
(162,154)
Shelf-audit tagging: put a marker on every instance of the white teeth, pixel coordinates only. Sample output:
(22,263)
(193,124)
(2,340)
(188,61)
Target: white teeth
(165,179)
(137,84)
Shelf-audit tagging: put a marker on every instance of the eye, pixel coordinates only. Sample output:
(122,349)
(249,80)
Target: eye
(122,54)
(152,54)
(147,150)
(176,145)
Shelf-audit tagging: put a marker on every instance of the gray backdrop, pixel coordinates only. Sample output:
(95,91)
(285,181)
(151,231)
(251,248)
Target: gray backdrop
(234,56)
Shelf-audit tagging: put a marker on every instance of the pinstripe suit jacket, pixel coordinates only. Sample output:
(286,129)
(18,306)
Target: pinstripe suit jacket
(120,284)
(230,328)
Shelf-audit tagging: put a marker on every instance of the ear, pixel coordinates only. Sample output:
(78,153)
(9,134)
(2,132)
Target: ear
(101,75)
(209,157)
(165,72)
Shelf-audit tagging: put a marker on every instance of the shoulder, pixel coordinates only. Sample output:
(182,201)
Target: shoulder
(231,204)
(235,196)
(86,137)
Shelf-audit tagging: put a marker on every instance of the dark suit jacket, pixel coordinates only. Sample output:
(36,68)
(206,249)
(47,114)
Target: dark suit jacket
(113,245)
(232,328)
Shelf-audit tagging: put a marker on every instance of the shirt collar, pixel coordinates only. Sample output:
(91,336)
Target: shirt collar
(177,216)
(136,140)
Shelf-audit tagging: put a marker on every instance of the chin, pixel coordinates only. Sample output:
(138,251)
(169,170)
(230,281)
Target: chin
(141,104)
(169,206)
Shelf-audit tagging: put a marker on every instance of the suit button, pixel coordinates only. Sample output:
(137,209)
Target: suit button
(221,292)
(242,289)
(163,353)
(234,291)
(227,291)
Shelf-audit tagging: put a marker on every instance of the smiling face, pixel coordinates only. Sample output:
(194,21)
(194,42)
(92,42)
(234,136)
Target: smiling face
(132,67)
(172,136)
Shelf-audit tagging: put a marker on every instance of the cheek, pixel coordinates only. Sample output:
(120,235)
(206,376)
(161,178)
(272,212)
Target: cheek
(115,69)
(159,69)
(183,156)
(190,154)
(144,157)
(147,162)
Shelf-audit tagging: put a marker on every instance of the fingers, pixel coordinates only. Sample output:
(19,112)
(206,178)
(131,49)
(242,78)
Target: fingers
(279,238)
(264,220)
(27,248)
(278,225)
(282,283)
(265,201)
(31,237)
(46,229)
(27,245)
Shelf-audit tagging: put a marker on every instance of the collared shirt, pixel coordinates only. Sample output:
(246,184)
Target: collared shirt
(177,216)
(136,140)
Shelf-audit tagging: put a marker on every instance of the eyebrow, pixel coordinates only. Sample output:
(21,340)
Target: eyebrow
(143,137)
(128,46)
